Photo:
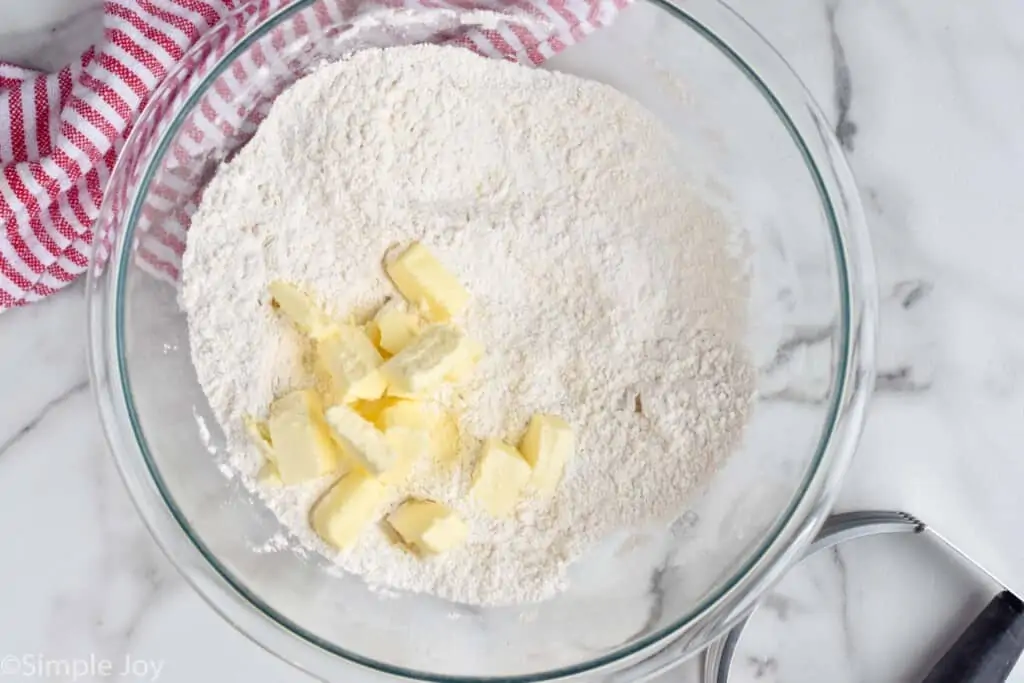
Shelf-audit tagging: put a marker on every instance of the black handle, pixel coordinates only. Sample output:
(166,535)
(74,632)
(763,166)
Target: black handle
(987,651)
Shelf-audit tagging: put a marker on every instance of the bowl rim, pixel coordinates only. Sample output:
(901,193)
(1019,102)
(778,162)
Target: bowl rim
(720,608)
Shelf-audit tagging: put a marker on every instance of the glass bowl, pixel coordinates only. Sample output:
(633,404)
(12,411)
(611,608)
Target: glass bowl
(755,142)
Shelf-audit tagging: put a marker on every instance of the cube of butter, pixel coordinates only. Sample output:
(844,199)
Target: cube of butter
(408,414)
(445,439)
(463,367)
(352,364)
(427,527)
(303,448)
(361,440)
(301,310)
(501,473)
(395,327)
(410,446)
(547,445)
(347,507)
(259,434)
(371,410)
(441,430)
(423,365)
(269,476)
(425,283)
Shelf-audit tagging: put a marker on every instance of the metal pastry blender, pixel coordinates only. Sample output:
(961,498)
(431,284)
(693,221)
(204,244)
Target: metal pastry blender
(985,652)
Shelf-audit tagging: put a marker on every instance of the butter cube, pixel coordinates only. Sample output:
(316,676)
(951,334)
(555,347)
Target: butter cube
(352,364)
(394,327)
(500,476)
(463,366)
(440,427)
(406,426)
(409,446)
(371,410)
(259,433)
(346,508)
(269,476)
(361,440)
(303,448)
(445,439)
(300,310)
(547,445)
(425,283)
(427,527)
(407,414)
(423,365)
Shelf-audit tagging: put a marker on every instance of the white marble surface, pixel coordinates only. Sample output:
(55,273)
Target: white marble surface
(925,95)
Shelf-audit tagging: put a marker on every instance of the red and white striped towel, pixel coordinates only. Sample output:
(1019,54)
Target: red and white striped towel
(63,132)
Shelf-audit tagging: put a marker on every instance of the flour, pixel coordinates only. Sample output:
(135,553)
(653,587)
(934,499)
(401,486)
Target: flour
(604,291)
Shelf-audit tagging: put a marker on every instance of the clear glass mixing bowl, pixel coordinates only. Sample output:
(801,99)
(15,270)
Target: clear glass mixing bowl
(755,142)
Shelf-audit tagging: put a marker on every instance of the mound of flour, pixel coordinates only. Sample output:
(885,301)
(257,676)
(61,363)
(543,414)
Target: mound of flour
(603,290)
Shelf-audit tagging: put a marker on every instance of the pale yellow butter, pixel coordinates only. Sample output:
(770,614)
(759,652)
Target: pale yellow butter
(407,414)
(394,327)
(548,444)
(361,440)
(445,439)
(371,410)
(464,365)
(409,446)
(259,434)
(424,364)
(501,473)
(440,426)
(352,363)
(300,310)
(269,476)
(426,284)
(428,527)
(303,448)
(347,508)
(407,428)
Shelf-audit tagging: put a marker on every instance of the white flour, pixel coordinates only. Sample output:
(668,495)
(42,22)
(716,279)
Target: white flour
(603,291)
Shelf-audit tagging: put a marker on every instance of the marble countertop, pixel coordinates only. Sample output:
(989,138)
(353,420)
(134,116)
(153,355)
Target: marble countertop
(925,97)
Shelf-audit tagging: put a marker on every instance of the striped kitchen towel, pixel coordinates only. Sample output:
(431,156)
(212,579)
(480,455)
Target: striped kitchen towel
(62,133)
